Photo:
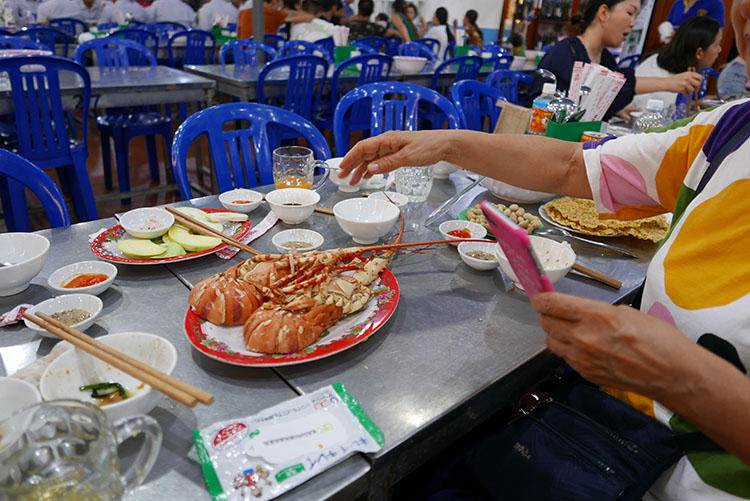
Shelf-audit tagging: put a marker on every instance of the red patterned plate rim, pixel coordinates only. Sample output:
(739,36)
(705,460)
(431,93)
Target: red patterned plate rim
(115,232)
(387,297)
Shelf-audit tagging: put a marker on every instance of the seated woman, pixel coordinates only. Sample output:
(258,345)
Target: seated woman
(696,44)
(438,29)
(603,24)
(401,22)
(686,353)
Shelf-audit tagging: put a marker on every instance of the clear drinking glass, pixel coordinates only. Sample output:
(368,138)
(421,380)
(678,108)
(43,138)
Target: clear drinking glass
(67,449)
(414,182)
(294,167)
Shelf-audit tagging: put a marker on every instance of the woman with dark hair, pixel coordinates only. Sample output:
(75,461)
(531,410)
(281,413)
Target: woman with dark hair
(696,44)
(438,29)
(401,22)
(473,33)
(602,24)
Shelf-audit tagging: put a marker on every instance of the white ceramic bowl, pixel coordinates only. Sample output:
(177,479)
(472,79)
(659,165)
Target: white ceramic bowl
(443,169)
(62,275)
(249,199)
(409,64)
(86,302)
(147,222)
(314,238)
(292,214)
(16,394)
(341,182)
(510,193)
(476,230)
(76,368)
(365,219)
(556,258)
(478,264)
(395,198)
(27,252)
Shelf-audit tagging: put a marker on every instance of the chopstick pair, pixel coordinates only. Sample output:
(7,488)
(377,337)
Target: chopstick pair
(694,95)
(178,390)
(204,229)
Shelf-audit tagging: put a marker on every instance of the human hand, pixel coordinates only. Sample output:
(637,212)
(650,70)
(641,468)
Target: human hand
(616,346)
(687,81)
(392,150)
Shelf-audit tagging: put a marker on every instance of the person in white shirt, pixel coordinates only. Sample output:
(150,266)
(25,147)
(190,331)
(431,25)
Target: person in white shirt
(116,12)
(175,11)
(320,27)
(55,9)
(210,10)
(91,10)
(438,29)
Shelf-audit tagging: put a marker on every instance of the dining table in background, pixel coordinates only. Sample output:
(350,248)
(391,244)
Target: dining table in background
(460,346)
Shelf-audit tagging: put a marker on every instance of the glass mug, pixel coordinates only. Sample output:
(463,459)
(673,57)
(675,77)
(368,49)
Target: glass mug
(67,449)
(294,167)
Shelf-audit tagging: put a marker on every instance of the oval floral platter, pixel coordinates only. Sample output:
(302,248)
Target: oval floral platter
(105,244)
(226,344)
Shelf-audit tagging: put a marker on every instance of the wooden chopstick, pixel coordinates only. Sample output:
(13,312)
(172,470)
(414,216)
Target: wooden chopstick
(323,210)
(598,276)
(695,97)
(204,229)
(172,387)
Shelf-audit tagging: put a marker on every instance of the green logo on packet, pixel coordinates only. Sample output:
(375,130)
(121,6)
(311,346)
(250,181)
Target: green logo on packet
(253,433)
(289,472)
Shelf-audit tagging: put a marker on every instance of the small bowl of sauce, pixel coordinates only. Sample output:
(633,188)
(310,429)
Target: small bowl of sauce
(89,277)
(241,200)
(478,255)
(75,310)
(297,240)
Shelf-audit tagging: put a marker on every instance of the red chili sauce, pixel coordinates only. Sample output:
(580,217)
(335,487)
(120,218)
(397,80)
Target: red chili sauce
(85,280)
(460,233)
(242,201)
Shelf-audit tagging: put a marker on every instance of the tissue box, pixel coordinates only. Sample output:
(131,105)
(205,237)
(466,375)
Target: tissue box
(571,131)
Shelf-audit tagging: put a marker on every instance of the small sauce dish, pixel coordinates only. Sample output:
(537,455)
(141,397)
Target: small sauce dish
(147,222)
(456,225)
(296,238)
(469,252)
(292,205)
(241,200)
(70,302)
(85,270)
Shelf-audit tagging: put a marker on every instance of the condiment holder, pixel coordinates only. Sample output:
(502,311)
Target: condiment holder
(285,240)
(92,270)
(86,302)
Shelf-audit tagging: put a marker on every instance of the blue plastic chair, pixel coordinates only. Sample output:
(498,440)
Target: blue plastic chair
(707,72)
(326,47)
(69,25)
(199,48)
(298,48)
(122,125)
(48,38)
(391,45)
(507,82)
(373,68)
(21,171)
(304,78)
(144,37)
(376,44)
(547,47)
(163,31)
(432,43)
(107,26)
(43,131)
(393,106)
(363,47)
(496,50)
(274,41)
(474,101)
(416,49)
(466,67)
(11,42)
(231,152)
(630,61)
(450,50)
(244,52)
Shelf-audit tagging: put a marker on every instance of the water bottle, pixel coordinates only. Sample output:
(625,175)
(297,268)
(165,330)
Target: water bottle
(539,112)
(652,117)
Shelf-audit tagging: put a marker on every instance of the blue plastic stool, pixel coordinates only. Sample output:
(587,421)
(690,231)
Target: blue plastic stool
(474,101)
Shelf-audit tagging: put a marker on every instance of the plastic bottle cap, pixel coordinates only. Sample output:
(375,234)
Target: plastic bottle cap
(655,104)
(549,88)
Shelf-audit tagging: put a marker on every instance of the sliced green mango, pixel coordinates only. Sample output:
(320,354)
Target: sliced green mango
(191,241)
(139,247)
(173,250)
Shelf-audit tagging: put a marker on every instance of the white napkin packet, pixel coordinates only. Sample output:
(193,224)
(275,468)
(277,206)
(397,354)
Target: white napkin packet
(269,453)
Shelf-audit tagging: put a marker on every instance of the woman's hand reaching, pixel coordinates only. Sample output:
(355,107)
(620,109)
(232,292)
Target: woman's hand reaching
(687,81)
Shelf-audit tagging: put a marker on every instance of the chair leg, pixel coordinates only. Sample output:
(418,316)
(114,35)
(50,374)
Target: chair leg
(183,111)
(106,159)
(167,134)
(13,198)
(83,195)
(153,162)
(122,164)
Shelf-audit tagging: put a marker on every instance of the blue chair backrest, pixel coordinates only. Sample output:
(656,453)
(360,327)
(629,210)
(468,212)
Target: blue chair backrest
(11,42)
(363,47)
(630,61)
(391,45)
(274,41)
(475,100)
(231,152)
(43,133)
(47,37)
(115,53)
(707,72)
(107,26)
(547,47)
(496,50)
(69,25)
(416,49)
(144,37)
(465,67)
(244,52)
(450,50)
(327,48)
(232,27)
(432,43)
(198,49)
(393,106)
(298,48)
(166,26)
(35,179)
(506,81)
(374,68)
(304,82)
(499,62)
(377,44)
